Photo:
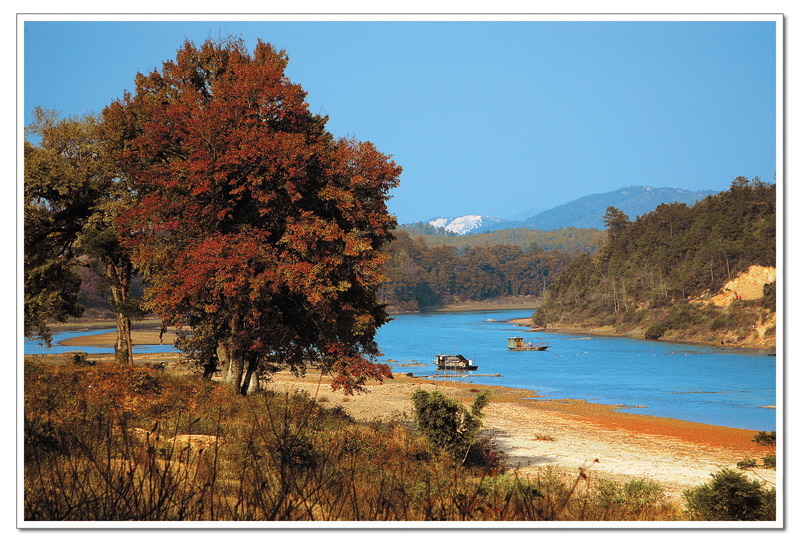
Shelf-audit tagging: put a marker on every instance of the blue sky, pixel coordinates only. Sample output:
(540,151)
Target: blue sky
(488,118)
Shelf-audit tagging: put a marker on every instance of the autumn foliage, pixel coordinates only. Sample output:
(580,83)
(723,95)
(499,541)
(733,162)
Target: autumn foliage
(253,224)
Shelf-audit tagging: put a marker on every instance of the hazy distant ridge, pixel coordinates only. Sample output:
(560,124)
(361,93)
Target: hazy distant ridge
(587,212)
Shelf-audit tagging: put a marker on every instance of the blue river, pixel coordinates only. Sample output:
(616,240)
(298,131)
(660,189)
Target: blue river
(35,347)
(720,386)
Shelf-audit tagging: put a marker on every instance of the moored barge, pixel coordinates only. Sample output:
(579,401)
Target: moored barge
(447,362)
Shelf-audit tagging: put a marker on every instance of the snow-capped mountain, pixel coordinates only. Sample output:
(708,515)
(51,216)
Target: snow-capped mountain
(462,224)
(439,222)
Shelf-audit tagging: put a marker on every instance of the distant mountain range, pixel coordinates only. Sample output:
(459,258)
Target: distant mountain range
(585,212)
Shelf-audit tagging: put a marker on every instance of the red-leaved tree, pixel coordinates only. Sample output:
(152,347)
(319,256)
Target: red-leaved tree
(252,224)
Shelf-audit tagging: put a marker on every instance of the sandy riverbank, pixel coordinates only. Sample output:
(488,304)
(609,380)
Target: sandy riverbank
(140,335)
(565,434)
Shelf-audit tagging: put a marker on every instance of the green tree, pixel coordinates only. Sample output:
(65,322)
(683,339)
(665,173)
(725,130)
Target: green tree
(615,221)
(51,284)
(71,199)
(539,318)
(655,331)
(730,496)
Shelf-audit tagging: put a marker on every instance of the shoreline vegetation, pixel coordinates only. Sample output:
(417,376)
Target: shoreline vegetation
(705,273)
(534,433)
(550,445)
(637,333)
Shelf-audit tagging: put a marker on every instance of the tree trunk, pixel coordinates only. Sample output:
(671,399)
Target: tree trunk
(209,369)
(224,360)
(235,373)
(233,368)
(123,349)
(255,385)
(119,280)
(250,382)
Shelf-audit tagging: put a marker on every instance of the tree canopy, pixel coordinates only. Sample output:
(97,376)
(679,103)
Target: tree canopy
(422,277)
(615,221)
(251,222)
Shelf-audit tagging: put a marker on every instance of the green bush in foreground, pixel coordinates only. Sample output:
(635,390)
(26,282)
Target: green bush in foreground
(446,423)
(730,496)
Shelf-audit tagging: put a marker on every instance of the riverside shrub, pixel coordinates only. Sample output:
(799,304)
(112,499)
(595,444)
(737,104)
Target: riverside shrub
(768,439)
(655,331)
(446,423)
(730,496)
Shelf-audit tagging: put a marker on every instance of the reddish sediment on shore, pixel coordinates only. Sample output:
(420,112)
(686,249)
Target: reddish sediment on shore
(606,417)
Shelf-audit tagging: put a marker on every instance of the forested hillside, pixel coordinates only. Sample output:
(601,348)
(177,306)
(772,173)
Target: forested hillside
(564,239)
(420,277)
(667,258)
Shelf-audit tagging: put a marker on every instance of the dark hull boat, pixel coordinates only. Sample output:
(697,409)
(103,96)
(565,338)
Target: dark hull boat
(446,362)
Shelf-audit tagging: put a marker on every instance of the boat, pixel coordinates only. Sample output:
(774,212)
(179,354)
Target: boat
(518,344)
(448,362)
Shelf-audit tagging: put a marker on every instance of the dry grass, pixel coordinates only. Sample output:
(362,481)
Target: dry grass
(118,443)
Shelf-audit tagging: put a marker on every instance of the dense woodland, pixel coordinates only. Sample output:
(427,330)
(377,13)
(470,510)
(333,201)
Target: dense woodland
(565,239)
(420,277)
(664,258)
